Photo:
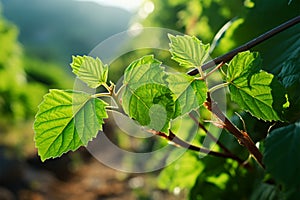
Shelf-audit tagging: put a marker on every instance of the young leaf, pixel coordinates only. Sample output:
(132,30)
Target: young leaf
(189,92)
(90,70)
(188,51)
(254,90)
(146,97)
(67,120)
(282,155)
(243,64)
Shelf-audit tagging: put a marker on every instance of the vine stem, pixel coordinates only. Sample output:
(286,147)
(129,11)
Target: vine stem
(215,69)
(219,86)
(228,56)
(209,134)
(242,136)
(108,88)
(171,137)
(101,95)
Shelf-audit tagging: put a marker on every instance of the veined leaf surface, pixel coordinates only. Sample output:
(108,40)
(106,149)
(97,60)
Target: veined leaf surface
(146,97)
(188,51)
(67,120)
(190,93)
(254,90)
(90,70)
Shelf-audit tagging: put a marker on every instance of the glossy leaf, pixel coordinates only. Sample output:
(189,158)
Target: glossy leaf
(90,70)
(146,97)
(282,155)
(67,120)
(254,90)
(189,93)
(188,51)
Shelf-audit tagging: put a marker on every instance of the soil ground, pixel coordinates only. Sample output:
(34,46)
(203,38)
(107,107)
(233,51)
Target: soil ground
(90,180)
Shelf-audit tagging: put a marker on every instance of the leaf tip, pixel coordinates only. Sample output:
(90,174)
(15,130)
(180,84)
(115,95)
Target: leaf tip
(170,36)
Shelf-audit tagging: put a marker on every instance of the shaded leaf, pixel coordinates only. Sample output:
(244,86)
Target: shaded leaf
(282,154)
(290,71)
(290,78)
(265,191)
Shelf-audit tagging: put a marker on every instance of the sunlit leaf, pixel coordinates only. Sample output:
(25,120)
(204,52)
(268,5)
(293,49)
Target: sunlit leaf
(65,121)
(254,90)
(146,97)
(188,51)
(243,65)
(90,70)
(190,93)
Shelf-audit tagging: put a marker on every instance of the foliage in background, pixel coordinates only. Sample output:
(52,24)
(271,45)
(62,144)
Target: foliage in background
(23,83)
(16,93)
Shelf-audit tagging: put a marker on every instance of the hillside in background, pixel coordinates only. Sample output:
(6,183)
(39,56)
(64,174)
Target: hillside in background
(57,29)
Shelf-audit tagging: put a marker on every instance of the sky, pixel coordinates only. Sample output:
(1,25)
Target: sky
(130,5)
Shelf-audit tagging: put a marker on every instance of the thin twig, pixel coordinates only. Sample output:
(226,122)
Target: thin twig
(209,134)
(216,68)
(228,56)
(217,87)
(181,143)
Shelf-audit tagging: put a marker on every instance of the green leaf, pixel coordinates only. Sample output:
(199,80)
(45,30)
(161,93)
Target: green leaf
(243,64)
(290,78)
(190,93)
(188,51)
(182,173)
(290,71)
(282,154)
(90,70)
(254,90)
(146,97)
(67,120)
(265,191)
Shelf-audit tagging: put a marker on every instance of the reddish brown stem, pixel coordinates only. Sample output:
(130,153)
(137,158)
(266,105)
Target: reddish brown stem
(209,134)
(181,143)
(242,136)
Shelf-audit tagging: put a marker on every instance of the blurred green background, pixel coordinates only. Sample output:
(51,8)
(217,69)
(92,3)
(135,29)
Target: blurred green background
(37,39)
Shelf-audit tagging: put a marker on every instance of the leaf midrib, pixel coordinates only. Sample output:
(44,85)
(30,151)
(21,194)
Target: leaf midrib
(67,124)
(240,88)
